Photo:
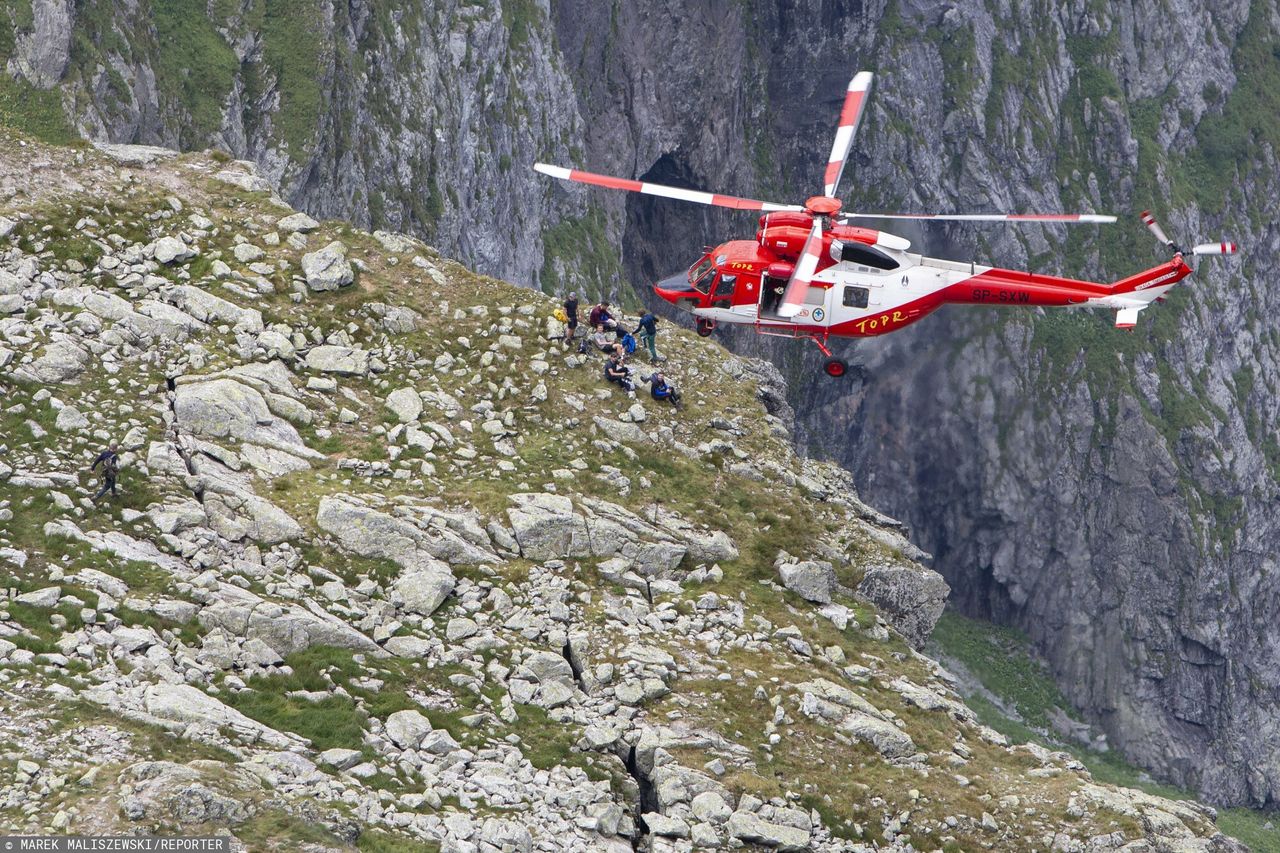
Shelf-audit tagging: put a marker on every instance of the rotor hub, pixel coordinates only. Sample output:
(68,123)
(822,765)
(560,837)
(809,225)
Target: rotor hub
(823,205)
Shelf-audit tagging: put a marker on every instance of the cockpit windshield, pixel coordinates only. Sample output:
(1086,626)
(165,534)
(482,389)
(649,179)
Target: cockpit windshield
(700,274)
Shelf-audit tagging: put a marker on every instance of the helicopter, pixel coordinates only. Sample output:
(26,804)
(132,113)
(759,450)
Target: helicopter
(811,273)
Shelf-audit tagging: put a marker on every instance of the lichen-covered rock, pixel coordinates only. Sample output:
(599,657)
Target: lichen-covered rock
(345,361)
(328,269)
(224,408)
(911,598)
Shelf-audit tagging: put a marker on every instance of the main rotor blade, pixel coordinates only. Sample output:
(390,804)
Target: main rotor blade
(696,196)
(802,275)
(855,100)
(1064,218)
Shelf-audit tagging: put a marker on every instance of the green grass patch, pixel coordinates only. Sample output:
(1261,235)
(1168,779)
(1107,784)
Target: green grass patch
(195,67)
(294,49)
(35,112)
(1256,830)
(1003,660)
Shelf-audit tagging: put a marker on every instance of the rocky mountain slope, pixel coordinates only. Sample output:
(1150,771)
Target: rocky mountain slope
(1144,574)
(390,568)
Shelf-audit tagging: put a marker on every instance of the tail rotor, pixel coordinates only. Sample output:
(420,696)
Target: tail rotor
(1224,247)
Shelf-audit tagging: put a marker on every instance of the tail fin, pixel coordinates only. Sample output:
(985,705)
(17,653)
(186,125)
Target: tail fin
(1148,284)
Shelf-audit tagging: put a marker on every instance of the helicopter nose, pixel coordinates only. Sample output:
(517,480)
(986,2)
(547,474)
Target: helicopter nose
(674,289)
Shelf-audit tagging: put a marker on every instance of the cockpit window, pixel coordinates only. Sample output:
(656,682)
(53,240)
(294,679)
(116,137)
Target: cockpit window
(703,284)
(699,269)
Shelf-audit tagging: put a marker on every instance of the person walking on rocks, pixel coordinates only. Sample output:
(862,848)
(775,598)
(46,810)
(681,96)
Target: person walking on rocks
(109,459)
(571,318)
(647,332)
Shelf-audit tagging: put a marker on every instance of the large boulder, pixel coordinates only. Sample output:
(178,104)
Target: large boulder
(423,591)
(812,580)
(297,222)
(285,628)
(247,516)
(182,703)
(208,308)
(750,827)
(346,361)
(368,532)
(911,598)
(407,728)
(171,250)
(405,404)
(225,408)
(889,740)
(544,679)
(545,526)
(328,269)
(61,361)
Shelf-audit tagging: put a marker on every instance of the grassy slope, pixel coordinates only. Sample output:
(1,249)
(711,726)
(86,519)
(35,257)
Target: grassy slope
(1003,661)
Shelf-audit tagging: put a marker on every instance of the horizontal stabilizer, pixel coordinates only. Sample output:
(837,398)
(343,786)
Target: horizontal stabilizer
(1127,318)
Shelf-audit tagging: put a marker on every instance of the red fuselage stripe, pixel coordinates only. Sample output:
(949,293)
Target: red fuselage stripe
(606,181)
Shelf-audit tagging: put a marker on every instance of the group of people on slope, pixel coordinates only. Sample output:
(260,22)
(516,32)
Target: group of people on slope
(618,343)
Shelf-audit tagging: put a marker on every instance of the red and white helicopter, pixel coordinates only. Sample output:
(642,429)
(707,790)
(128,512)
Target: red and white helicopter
(809,273)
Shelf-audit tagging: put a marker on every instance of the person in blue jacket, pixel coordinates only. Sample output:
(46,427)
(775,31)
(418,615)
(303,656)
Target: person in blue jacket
(660,389)
(647,332)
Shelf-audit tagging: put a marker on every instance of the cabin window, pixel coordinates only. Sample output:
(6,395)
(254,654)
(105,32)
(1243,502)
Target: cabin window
(856,297)
(864,255)
(726,284)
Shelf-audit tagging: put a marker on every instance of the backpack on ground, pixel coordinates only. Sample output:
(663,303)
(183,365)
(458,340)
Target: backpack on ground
(629,343)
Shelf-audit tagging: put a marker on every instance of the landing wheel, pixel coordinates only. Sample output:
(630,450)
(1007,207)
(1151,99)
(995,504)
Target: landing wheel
(705,327)
(835,367)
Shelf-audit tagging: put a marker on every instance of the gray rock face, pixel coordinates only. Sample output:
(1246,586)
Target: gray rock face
(41,53)
(328,269)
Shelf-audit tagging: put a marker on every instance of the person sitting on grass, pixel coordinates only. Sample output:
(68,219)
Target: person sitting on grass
(618,373)
(603,342)
(660,389)
(602,316)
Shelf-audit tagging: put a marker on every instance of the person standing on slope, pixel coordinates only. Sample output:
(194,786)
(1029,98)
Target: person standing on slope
(647,332)
(571,318)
